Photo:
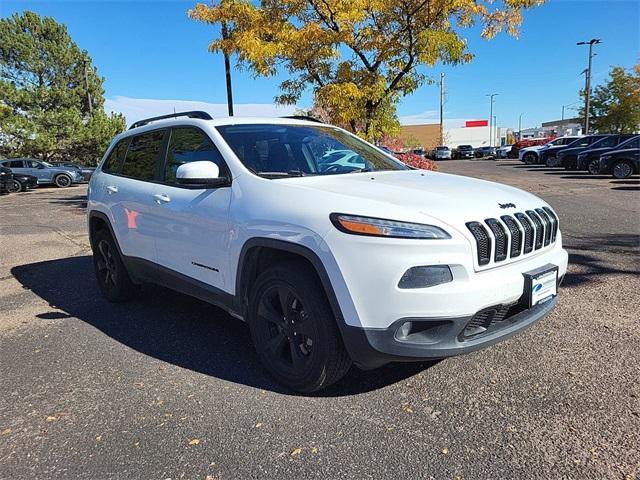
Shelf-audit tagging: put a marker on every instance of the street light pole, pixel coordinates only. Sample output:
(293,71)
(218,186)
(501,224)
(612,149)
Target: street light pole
(491,95)
(587,102)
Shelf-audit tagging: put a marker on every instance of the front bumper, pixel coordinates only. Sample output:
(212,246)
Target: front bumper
(436,338)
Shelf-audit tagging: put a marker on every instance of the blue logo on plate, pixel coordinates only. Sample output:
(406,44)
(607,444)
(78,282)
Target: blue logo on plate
(537,287)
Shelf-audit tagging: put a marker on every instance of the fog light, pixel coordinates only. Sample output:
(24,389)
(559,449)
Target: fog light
(425,276)
(404,330)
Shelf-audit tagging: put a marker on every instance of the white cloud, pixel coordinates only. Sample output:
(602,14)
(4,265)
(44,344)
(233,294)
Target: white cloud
(138,108)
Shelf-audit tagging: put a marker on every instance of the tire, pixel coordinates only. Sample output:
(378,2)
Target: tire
(112,276)
(552,161)
(622,169)
(62,180)
(594,167)
(15,187)
(294,330)
(530,158)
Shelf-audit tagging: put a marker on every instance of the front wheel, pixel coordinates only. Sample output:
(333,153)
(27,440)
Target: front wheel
(622,169)
(530,158)
(15,186)
(594,167)
(62,181)
(294,330)
(552,161)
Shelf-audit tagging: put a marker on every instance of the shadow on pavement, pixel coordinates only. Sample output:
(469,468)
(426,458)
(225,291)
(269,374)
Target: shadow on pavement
(176,328)
(75,201)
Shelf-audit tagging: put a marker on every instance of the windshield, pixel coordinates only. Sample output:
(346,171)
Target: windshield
(442,148)
(46,164)
(465,147)
(298,150)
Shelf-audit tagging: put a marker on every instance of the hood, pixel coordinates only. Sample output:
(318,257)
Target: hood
(418,195)
(533,148)
(597,151)
(573,151)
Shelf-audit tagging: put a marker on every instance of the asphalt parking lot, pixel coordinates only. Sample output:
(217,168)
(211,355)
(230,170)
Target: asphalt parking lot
(169,387)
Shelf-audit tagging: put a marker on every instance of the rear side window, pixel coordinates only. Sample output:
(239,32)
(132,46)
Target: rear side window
(14,164)
(113,163)
(142,155)
(189,144)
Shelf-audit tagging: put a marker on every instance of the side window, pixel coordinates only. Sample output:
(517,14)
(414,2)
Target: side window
(32,164)
(190,145)
(113,163)
(142,155)
(15,164)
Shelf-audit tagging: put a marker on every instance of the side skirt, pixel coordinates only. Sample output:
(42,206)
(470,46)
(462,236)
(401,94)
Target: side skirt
(145,271)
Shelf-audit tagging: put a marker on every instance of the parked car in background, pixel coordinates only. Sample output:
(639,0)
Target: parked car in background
(589,159)
(503,151)
(568,158)
(485,152)
(531,154)
(419,151)
(6,180)
(549,156)
(46,173)
(623,162)
(526,143)
(85,171)
(442,153)
(463,151)
(23,182)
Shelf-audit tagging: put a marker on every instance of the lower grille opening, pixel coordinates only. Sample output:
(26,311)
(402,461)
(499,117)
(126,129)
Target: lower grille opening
(491,319)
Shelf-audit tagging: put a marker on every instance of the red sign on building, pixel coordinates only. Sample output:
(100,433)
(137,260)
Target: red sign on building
(476,123)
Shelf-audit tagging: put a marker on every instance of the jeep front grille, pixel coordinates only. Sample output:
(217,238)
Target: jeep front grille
(498,240)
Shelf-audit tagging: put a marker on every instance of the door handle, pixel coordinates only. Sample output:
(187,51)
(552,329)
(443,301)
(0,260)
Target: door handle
(161,198)
(112,189)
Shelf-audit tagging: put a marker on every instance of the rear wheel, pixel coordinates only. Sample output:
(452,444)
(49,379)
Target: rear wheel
(622,169)
(294,330)
(594,167)
(113,279)
(62,180)
(15,186)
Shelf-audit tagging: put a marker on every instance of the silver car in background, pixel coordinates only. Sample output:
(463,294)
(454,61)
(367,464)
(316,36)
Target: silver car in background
(442,153)
(46,173)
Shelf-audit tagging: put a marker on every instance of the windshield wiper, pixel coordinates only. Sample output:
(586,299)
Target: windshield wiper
(360,170)
(290,173)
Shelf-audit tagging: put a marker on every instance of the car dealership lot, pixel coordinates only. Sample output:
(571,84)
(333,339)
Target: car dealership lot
(169,387)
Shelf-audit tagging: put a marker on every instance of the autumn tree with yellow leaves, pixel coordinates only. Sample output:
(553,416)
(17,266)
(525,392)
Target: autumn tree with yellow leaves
(359,57)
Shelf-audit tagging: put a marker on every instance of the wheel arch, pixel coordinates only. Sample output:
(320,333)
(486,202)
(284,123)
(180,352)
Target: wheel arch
(100,221)
(258,253)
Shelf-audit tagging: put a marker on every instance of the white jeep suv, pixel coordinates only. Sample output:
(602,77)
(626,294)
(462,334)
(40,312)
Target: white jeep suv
(330,263)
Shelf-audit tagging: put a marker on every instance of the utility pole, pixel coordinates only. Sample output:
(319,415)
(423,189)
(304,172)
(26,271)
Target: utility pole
(491,95)
(86,86)
(227,71)
(520,127)
(441,108)
(587,92)
(496,134)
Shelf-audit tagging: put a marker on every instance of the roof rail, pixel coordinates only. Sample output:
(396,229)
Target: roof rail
(192,114)
(303,117)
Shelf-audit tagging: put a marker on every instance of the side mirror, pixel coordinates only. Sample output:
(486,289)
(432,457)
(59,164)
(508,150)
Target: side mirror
(201,174)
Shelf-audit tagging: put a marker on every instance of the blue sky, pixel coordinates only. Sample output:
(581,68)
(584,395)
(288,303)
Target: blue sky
(151,50)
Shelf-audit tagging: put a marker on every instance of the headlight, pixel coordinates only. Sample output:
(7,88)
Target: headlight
(379,227)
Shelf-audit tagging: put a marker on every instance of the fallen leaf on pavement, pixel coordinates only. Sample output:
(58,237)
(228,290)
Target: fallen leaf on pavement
(195,441)
(296,451)
(408,409)
(445,450)
(51,418)
(258,425)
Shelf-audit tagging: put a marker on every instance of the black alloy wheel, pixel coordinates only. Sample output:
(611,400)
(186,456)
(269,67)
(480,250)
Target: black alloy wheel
(294,330)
